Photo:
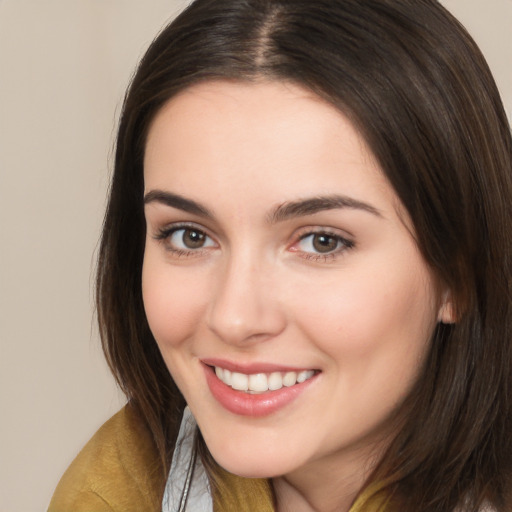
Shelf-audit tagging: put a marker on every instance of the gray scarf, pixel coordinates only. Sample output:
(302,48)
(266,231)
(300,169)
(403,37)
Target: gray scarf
(187,488)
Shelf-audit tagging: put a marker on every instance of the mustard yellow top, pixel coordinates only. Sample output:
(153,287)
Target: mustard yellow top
(118,470)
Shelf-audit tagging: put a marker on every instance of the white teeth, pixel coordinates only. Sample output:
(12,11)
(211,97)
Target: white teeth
(304,375)
(224,375)
(239,381)
(258,382)
(275,381)
(290,378)
(261,382)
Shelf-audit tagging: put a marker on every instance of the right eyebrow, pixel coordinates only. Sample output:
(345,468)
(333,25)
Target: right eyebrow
(178,202)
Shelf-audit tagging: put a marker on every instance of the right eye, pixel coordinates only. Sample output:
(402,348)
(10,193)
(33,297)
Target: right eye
(190,238)
(185,239)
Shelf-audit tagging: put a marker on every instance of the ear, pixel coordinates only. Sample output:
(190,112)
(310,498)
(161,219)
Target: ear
(446,312)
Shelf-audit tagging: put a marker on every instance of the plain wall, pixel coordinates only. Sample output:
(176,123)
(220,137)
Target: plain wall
(64,65)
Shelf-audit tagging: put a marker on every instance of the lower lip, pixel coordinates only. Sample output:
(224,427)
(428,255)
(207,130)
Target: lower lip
(257,405)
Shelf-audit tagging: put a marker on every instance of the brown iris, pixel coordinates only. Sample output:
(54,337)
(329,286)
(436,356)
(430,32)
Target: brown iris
(324,243)
(193,238)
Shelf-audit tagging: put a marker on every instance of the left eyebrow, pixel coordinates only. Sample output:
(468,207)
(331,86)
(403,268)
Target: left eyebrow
(318,204)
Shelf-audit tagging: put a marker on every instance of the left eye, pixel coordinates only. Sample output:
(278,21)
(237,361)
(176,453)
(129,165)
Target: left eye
(186,239)
(321,243)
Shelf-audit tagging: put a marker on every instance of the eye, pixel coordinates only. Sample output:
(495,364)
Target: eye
(185,239)
(322,243)
(190,239)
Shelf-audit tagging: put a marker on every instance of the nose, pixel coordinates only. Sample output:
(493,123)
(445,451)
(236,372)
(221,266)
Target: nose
(245,308)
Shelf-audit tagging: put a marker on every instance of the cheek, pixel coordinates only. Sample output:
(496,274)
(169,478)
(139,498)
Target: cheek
(374,342)
(376,317)
(173,301)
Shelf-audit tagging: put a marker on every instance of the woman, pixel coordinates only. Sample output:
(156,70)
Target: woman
(307,241)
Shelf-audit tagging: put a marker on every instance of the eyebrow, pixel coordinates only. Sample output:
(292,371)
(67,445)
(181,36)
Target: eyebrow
(177,201)
(285,211)
(318,204)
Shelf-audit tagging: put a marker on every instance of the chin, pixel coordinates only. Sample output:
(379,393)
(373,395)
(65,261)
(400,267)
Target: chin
(254,462)
(250,470)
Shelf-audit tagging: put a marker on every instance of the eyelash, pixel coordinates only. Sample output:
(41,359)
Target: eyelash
(164,236)
(343,244)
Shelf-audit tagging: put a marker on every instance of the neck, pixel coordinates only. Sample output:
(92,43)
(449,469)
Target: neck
(324,486)
(292,499)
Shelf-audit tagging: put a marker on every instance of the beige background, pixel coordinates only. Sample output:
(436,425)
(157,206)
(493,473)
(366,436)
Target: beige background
(64,65)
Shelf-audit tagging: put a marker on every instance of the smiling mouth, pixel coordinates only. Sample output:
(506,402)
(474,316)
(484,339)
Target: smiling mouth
(258,383)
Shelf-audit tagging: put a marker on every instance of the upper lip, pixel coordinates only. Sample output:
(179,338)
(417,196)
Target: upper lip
(252,368)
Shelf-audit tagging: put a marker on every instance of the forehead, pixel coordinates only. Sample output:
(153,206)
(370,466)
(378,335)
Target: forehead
(253,110)
(264,138)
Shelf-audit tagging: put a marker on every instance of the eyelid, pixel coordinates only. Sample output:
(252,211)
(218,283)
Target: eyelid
(327,230)
(164,233)
(175,226)
(348,242)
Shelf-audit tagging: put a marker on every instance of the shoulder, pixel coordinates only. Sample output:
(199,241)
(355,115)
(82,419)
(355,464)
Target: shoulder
(117,470)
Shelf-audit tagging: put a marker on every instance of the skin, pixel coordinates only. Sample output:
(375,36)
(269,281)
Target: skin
(258,291)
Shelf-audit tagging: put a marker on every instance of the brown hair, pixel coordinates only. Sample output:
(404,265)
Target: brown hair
(414,83)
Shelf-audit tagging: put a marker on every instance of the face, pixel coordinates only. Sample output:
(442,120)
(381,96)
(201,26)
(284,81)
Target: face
(280,280)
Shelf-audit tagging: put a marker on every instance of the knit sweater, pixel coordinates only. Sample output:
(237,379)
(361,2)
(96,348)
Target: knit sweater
(119,470)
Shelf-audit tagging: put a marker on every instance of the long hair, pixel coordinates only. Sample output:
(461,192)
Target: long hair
(415,85)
